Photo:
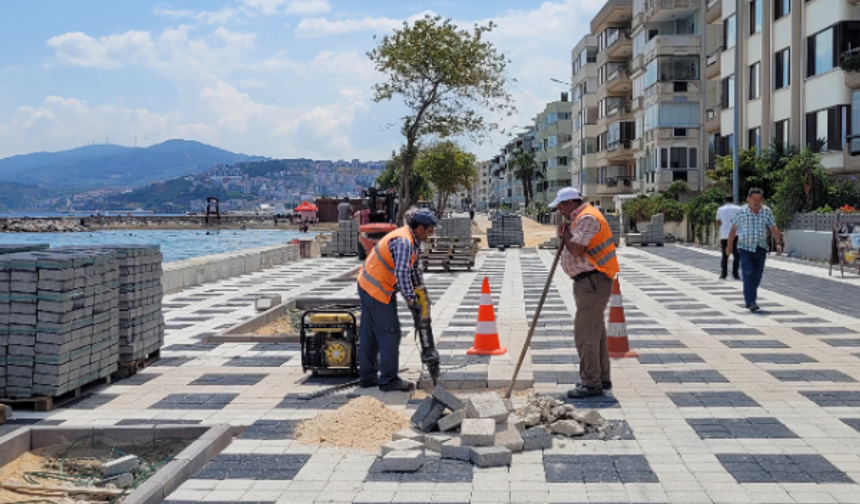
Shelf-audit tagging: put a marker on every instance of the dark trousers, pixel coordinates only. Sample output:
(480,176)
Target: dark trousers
(724,263)
(591,295)
(752,264)
(378,339)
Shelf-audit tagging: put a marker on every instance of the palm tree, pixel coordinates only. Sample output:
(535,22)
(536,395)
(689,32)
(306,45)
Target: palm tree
(526,170)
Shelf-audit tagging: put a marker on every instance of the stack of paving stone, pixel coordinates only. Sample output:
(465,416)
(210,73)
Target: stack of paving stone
(482,430)
(614,226)
(552,243)
(344,241)
(452,246)
(60,320)
(455,227)
(653,233)
(16,248)
(506,231)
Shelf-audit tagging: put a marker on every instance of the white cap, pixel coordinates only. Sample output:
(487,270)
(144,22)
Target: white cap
(565,194)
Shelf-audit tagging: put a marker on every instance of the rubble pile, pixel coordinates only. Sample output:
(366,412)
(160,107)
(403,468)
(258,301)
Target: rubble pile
(484,430)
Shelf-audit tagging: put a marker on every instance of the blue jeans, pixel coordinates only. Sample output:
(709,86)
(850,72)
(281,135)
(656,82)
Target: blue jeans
(752,264)
(378,339)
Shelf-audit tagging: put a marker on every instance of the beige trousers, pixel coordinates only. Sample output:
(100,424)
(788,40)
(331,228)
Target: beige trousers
(589,328)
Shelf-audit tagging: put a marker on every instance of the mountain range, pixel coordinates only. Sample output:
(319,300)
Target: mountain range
(107,165)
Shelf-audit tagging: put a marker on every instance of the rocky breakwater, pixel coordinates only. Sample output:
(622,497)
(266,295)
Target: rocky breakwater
(42,225)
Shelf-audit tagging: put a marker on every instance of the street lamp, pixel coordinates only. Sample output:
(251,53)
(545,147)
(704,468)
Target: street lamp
(737,119)
(561,82)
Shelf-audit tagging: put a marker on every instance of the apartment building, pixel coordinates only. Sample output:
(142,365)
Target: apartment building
(553,132)
(792,88)
(583,145)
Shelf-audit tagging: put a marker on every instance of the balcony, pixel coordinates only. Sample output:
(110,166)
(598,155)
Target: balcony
(850,63)
(851,155)
(613,12)
(672,45)
(714,12)
(589,190)
(713,64)
(621,150)
(619,110)
(712,120)
(617,78)
(664,178)
(655,10)
(616,185)
(618,43)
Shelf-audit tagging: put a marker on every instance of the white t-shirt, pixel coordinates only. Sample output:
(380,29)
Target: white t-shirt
(724,215)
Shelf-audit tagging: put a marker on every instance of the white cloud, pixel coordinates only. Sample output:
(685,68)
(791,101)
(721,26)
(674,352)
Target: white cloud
(307,7)
(221,16)
(323,27)
(114,51)
(267,7)
(172,13)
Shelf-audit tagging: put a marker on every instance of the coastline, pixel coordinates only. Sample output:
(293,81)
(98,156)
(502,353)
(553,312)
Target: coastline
(148,222)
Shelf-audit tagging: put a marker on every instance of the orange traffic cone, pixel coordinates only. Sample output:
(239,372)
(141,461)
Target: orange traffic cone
(486,333)
(616,332)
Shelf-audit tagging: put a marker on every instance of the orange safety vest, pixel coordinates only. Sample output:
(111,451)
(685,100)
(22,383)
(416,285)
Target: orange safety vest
(377,276)
(601,250)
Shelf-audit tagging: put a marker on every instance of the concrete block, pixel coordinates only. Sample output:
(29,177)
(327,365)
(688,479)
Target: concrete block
(434,442)
(121,465)
(454,449)
(403,461)
(491,456)
(450,401)
(478,431)
(428,414)
(487,405)
(567,428)
(123,480)
(538,438)
(401,445)
(452,420)
(14,444)
(509,436)
(268,302)
(411,433)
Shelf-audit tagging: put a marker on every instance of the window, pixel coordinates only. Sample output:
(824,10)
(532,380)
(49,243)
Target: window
(754,82)
(754,139)
(782,69)
(755,16)
(829,127)
(678,158)
(819,53)
(672,115)
(671,68)
(680,87)
(680,132)
(729,34)
(781,8)
(727,92)
(781,132)
(562,161)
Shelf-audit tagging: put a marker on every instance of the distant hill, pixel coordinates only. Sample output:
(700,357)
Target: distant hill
(112,165)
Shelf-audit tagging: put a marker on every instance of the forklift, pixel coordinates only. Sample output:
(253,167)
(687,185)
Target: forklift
(375,222)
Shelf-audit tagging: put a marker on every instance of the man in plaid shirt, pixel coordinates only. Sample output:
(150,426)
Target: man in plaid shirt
(750,225)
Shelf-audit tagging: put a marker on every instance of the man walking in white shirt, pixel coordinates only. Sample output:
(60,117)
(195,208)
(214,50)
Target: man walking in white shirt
(724,222)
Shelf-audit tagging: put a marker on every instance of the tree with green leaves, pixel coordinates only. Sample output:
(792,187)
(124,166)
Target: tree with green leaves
(802,184)
(449,168)
(526,171)
(448,78)
(390,177)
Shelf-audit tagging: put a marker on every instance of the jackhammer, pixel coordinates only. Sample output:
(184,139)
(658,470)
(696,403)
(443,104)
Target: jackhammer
(424,333)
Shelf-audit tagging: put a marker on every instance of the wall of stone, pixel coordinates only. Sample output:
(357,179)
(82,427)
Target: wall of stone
(70,224)
(808,244)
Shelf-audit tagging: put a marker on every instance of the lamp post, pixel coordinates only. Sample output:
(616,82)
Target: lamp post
(737,109)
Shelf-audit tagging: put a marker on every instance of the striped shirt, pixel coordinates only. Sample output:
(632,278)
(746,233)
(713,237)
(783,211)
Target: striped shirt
(753,227)
(407,276)
(581,233)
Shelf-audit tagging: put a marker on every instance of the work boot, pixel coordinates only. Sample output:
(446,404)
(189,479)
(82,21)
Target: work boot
(582,391)
(397,385)
(607,385)
(753,307)
(373,382)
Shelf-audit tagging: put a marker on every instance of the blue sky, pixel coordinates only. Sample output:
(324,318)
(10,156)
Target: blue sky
(280,78)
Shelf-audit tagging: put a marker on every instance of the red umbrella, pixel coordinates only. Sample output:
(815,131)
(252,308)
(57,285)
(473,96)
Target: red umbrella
(306,207)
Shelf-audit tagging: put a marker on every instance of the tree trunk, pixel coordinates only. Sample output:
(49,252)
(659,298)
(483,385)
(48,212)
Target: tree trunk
(403,193)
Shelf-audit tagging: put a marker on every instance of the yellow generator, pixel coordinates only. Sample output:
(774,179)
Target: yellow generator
(329,338)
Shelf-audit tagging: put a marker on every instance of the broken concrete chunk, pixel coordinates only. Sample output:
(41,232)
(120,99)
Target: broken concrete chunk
(488,405)
(589,417)
(452,420)
(478,431)
(403,461)
(123,480)
(413,434)
(428,414)
(401,445)
(435,441)
(508,435)
(530,414)
(121,465)
(454,449)
(538,438)
(450,401)
(516,421)
(567,428)
(491,456)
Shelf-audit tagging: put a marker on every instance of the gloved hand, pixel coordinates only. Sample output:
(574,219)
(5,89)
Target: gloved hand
(415,308)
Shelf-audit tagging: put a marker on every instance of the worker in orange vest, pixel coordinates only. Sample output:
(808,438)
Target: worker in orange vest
(589,259)
(390,266)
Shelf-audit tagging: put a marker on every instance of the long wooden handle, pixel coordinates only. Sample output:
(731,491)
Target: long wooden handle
(535,319)
(105,492)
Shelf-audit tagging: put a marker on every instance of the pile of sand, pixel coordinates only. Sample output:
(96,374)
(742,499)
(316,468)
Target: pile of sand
(364,423)
(281,325)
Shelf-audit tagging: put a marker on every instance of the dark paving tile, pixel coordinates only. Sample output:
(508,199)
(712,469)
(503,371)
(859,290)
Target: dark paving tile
(708,399)
(194,401)
(191,347)
(656,343)
(740,428)
(149,421)
(823,330)
(559,377)
(555,359)
(799,320)
(854,423)
(758,343)
(271,429)
(172,361)
(650,331)
(190,319)
(277,347)
(605,401)
(685,358)
(842,342)
(746,468)
(779,358)
(177,327)
(619,430)
(138,379)
(253,467)
(598,469)
(687,306)
(434,470)
(267,361)
(834,398)
(811,375)
(732,331)
(227,380)
(702,376)
(699,313)
(91,402)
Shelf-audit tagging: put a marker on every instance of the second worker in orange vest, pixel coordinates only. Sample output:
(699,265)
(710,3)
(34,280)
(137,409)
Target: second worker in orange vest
(391,266)
(589,259)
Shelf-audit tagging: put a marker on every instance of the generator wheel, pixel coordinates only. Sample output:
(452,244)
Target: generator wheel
(314,372)
(362,254)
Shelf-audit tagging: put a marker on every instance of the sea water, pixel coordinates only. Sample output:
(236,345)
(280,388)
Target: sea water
(176,245)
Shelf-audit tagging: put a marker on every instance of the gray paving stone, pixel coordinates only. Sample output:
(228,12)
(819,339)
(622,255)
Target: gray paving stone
(491,456)
(401,445)
(747,468)
(402,461)
(822,330)
(666,358)
(811,375)
(227,380)
(598,469)
(709,399)
(536,438)
(779,358)
(487,405)
(508,435)
(755,343)
(452,420)
(656,343)
(428,414)
(842,342)
(253,467)
(477,431)
(740,428)
(833,398)
(450,401)
(703,376)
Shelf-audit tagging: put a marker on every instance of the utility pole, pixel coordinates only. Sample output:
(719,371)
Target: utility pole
(737,109)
